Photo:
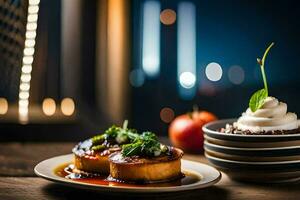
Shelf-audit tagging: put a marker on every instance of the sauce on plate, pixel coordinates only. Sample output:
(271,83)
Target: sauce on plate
(68,171)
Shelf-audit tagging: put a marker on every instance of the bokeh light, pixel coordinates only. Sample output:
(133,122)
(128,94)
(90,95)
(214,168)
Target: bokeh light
(186,50)
(3,106)
(30,34)
(25,78)
(24,86)
(23,114)
(49,106)
(32,17)
(27,60)
(34,2)
(29,43)
(67,106)
(168,17)
(167,114)
(137,77)
(24,102)
(31,26)
(236,74)
(33,9)
(28,51)
(187,79)
(151,38)
(26,69)
(24,95)
(213,71)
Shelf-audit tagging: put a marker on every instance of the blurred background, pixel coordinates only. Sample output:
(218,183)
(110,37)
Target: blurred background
(71,68)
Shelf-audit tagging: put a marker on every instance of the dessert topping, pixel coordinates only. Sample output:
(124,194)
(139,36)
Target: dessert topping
(258,98)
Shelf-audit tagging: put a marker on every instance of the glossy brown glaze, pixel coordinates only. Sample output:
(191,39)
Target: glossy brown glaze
(93,161)
(173,154)
(145,169)
(68,171)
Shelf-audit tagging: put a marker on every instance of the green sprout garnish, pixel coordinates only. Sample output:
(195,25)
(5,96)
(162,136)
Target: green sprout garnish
(259,97)
(132,143)
(146,144)
(116,135)
(98,147)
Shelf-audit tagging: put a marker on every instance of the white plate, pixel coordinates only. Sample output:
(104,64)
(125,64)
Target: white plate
(252,163)
(211,129)
(247,144)
(250,149)
(209,176)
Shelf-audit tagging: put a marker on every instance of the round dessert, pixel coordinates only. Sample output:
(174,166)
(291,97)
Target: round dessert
(92,154)
(128,156)
(88,159)
(265,115)
(271,118)
(144,169)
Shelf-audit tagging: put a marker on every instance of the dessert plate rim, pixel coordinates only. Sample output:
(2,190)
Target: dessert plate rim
(251,144)
(238,157)
(209,176)
(249,148)
(251,163)
(230,120)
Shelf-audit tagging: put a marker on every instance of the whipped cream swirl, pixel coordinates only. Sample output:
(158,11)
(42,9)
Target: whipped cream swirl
(271,116)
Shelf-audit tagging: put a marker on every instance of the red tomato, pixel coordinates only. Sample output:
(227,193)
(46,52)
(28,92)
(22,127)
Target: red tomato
(206,116)
(185,131)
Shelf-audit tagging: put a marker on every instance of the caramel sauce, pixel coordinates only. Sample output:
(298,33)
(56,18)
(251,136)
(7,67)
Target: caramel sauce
(69,172)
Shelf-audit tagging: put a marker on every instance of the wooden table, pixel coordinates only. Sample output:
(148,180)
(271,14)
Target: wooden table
(17,180)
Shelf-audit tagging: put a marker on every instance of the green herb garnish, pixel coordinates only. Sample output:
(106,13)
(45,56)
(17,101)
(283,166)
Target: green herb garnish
(109,134)
(115,135)
(146,144)
(98,147)
(259,97)
(132,143)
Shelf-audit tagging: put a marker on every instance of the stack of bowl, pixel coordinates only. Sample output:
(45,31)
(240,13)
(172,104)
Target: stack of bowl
(256,158)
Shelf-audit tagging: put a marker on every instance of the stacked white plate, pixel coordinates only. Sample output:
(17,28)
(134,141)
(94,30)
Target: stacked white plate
(258,158)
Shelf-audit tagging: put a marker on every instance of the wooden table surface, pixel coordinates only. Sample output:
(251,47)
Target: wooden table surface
(17,180)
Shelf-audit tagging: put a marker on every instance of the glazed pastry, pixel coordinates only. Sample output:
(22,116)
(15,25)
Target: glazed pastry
(146,161)
(166,167)
(92,154)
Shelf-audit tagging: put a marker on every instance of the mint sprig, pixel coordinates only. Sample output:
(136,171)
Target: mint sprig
(258,98)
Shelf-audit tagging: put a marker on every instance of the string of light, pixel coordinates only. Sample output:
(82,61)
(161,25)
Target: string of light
(28,56)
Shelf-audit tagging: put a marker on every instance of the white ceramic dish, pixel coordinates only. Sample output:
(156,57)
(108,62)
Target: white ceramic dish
(263,164)
(234,165)
(259,172)
(212,130)
(208,176)
(250,158)
(254,152)
(251,144)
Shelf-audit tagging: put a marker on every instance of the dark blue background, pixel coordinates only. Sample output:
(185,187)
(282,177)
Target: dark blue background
(231,32)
